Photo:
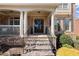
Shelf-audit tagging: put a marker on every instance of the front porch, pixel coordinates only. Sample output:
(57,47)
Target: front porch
(29,26)
(22,24)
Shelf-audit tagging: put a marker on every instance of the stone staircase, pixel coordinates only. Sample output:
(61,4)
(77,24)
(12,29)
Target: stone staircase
(37,45)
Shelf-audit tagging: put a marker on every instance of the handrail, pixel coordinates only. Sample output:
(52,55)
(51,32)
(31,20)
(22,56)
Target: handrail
(9,25)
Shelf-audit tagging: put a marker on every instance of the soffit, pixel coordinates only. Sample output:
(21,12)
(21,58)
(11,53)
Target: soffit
(30,5)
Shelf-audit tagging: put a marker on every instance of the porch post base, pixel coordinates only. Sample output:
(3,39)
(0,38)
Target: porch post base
(53,41)
(21,36)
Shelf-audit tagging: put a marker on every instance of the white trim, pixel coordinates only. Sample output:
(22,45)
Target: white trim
(70,25)
(12,19)
(52,24)
(9,25)
(25,23)
(62,6)
(21,23)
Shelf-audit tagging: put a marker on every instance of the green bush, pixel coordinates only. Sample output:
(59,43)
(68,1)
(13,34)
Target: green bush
(76,44)
(65,39)
(68,46)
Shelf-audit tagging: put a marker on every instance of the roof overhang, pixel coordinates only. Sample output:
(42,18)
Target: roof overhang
(28,5)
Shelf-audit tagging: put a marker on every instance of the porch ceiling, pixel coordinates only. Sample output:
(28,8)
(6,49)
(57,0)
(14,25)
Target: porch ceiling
(28,5)
(64,15)
(31,5)
(38,13)
(8,12)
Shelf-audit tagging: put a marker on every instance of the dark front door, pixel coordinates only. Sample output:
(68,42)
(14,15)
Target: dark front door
(38,26)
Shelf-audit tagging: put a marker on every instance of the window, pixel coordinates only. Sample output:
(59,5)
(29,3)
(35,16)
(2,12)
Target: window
(14,21)
(11,22)
(56,24)
(60,6)
(67,25)
(65,6)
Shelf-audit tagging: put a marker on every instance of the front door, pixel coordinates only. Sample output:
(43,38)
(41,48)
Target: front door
(38,26)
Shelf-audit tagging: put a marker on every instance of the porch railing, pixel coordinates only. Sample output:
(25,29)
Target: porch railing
(6,30)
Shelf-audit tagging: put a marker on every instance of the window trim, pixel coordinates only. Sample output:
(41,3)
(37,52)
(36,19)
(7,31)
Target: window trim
(66,6)
(11,19)
(69,29)
(62,6)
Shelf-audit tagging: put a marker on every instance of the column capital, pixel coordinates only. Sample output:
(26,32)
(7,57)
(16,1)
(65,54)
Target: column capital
(24,10)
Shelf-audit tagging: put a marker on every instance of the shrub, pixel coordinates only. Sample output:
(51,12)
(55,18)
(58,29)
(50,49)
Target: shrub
(76,44)
(68,46)
(63,51)
(65,39)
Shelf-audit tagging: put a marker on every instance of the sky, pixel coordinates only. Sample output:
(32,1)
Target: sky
(77,11)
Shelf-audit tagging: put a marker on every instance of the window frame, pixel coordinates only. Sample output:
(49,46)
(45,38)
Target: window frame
(65,4)
(61,6)
(69,25)
(13,19)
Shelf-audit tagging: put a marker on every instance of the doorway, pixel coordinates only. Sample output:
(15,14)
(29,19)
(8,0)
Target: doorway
(38,26)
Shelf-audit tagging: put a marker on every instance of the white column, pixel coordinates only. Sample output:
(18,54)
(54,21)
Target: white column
(62,24)
(52,24)
(70,25)
(21,23)
(25,23)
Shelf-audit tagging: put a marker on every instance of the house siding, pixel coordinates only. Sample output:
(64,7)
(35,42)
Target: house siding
(76,27)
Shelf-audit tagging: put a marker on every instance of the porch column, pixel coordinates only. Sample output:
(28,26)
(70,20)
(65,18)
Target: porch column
(52,24)
(62,24)
(21,23)
(25,23)
(52,31)
(70,25)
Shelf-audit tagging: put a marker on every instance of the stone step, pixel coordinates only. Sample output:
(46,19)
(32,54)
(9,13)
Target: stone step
(38,47)
(39,53)
(36,38)
(38,42)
